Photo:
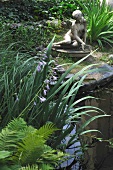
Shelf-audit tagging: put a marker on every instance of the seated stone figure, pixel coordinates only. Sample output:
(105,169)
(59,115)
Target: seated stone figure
(77,33)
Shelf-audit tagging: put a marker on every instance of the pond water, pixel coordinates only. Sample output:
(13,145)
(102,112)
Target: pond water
(100,156)
(75,148)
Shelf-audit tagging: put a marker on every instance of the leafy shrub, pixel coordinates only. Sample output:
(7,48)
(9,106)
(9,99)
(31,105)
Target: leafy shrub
(100,22)
(17,11)
(63,9)
(35,10)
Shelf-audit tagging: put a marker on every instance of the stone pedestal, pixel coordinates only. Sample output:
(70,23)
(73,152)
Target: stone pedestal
(74,52)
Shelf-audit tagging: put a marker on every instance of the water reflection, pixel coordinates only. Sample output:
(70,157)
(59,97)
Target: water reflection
(100,156)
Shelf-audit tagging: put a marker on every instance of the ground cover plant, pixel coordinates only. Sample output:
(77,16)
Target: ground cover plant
(24,37)
(37,10)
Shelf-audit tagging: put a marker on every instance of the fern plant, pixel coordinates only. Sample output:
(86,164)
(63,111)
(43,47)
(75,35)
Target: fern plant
(24,145)
(35,167)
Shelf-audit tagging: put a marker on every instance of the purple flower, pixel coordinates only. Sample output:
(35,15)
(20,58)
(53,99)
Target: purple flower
(47,87)
(46,49)
(44,63)
(42,99)
(40,63)
(45,92)
(52,82)
(54,78)
(45,56)
(54,72)
(38,68)
(46,81)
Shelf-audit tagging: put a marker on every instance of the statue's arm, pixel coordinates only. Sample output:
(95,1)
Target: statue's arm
(85,31)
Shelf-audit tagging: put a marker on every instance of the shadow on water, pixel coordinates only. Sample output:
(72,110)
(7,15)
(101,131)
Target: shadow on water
(100,155)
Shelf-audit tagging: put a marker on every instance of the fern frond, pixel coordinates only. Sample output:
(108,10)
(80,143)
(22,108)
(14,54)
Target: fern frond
(4,154)
(33,150)
(17,124)
(46,130)
(8,140)
(46,167)
(16,130)
(52,157)
(30,149)
(36,167)
(25,145)
(33,167)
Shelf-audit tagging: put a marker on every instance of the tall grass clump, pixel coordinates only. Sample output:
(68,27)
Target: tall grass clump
(100,22)
(33,90)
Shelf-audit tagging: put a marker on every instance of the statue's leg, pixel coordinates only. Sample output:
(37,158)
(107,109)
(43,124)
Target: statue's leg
(67,40)
(75,43)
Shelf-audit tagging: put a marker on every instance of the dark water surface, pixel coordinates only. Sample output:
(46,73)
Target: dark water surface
(100,157)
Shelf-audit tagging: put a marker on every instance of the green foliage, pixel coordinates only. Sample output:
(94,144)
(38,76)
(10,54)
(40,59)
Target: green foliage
(12,167)
(18,10)
(37,9)
(23,96)
(21,37)
(110,141)
(24,145)
(4,154)
(100,22)
(25,76)
(35,167)
(63,9)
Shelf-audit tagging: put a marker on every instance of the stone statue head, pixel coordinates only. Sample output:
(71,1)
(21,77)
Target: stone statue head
(77,14)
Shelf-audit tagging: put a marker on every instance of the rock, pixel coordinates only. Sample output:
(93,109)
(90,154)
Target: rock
(99,78)
(59,69)
(54,23)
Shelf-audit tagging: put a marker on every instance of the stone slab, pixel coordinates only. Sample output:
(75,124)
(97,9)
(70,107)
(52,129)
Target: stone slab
(100,78)
(72,52)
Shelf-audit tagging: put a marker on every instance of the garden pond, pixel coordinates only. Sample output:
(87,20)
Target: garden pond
(99,84)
